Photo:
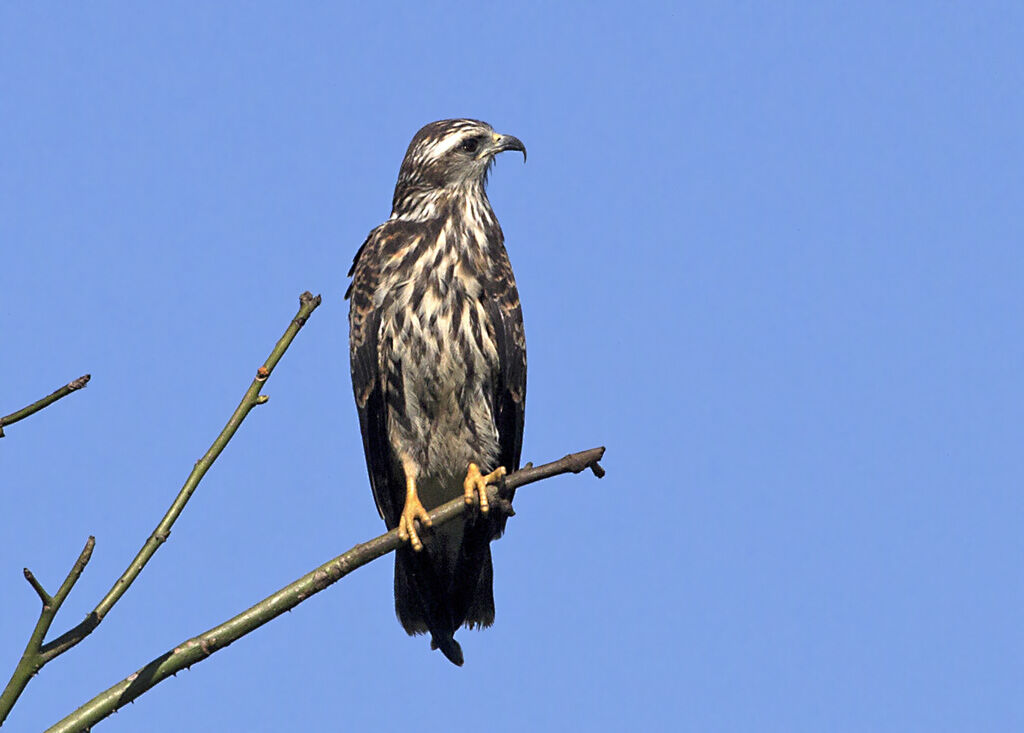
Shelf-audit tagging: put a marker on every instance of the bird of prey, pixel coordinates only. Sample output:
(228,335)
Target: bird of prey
(438,359)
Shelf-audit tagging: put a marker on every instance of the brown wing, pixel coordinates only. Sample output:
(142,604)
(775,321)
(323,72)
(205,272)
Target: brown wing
(367,381)
(509,397)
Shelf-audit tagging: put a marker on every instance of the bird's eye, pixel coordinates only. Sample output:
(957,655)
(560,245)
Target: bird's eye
(470,145)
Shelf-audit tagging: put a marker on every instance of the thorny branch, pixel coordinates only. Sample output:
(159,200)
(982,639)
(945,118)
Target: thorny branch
(200,647)
(38,405)
(37,654)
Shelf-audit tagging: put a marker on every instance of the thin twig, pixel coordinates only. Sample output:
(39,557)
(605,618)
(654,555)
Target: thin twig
(200,647)
(35,407)
(40,591)
(39,654)
(31,661)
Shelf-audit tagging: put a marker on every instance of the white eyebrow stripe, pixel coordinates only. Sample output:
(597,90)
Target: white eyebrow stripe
(453,138)
(444,145)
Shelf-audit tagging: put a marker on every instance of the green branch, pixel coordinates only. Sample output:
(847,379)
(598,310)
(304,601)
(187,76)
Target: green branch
(45,402)
(200,647)
(31,662)
(37,654)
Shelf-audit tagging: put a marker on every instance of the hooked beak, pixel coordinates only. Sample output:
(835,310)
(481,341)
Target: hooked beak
(507,142)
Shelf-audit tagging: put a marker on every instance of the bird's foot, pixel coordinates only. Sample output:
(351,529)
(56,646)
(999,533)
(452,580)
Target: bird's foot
(476,484)
(412,511)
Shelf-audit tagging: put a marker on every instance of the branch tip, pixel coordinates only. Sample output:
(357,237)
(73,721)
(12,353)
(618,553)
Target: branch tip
(37,587)
(201,647)
(38,405)
(76,571)
(80,382)
(307,304)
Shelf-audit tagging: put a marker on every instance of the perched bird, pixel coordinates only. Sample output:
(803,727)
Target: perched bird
(438,358)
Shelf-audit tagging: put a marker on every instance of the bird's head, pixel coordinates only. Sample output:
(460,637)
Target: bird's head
(448,157)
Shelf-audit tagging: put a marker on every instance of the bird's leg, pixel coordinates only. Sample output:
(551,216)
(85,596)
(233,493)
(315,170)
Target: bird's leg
(476,483)
(412,511)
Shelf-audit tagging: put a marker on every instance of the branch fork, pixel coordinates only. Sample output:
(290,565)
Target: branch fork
(201,647)
(37,654)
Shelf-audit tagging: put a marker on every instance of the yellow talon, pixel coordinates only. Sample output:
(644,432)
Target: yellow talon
(476,483)
(412,511)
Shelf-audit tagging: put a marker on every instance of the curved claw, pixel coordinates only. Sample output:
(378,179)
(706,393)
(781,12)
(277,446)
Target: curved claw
(412,511)
(476,485)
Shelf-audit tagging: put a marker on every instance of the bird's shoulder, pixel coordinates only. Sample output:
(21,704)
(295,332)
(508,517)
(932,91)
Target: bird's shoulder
(385,248)
(385,244)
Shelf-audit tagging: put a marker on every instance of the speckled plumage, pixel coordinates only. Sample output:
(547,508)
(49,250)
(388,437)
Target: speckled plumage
(439,367)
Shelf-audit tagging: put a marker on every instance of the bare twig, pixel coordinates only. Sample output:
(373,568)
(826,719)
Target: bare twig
(38,587)
(45,402)
(200,647)
(38,654)
(31,661)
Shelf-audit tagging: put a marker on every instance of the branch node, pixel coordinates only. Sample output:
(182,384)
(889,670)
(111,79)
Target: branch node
(262,399)
(262,373)
(161,536)
(587,459)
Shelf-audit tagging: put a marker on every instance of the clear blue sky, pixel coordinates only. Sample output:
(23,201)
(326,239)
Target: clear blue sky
(770,257)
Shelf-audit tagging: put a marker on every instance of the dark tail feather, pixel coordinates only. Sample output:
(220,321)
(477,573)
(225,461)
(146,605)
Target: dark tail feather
(438,591)
(472,589)
(407,603)
(449,647)
(481,609)
(421,602)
